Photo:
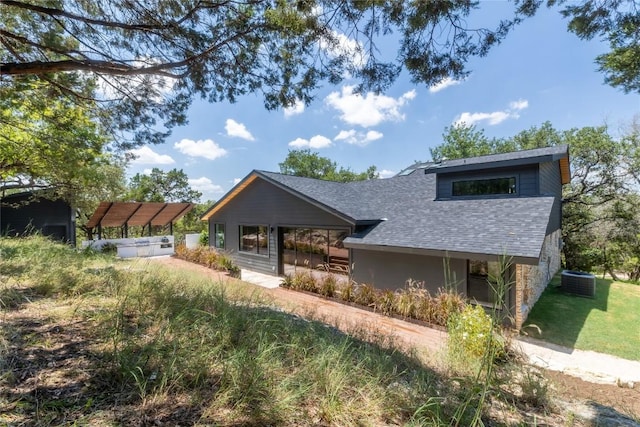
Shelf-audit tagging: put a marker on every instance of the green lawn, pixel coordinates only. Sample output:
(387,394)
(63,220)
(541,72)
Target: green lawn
(609,323)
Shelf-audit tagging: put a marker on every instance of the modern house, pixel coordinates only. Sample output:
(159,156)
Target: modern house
(27,212)
(442,223)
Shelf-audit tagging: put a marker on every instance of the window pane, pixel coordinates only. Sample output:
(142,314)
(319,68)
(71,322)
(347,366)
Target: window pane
(248,238)
(263,240)
(289,246)
(482,187)
(218,239)
(481,281)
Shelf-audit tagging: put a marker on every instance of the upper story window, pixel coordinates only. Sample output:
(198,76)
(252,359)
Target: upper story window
(484,187)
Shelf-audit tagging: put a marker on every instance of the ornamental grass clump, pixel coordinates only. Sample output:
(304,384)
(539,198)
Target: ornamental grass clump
(328,286)
(209,257)
(365,295)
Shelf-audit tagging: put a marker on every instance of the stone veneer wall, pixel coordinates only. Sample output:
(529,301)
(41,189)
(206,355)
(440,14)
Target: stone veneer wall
(531,280)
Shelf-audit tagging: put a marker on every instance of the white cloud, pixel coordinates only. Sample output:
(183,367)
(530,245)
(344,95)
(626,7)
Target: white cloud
(348,136)
(520,104)
(206,187)
(238,130)
(443,84)
(206,148)
(147,171)
(317,141)
(358,138)
(295,109)
(369,110)
(146,156)
(236,181)
(372,135)
(495,117)
(384,173)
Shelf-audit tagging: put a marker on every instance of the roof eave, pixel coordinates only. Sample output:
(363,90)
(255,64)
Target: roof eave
(514,259)
(257,174)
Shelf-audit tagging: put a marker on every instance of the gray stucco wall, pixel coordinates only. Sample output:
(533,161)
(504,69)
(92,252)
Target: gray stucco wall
(389,270)
(526,177)
(262,203)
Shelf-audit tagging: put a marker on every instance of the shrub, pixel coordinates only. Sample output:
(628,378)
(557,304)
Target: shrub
(203,240)
(328,285)
(365,294)
(304,281)
(209,257)
(385,303)
(446,304)
(472,335)
(287,281)
(405,304)
(426,308)
(347,291)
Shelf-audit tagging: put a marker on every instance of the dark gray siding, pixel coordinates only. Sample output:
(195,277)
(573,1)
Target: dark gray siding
(54,218)
(262,203)
(551,185)
(526,177)
(389,270)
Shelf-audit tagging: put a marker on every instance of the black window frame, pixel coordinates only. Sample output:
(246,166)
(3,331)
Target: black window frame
(511,188)
(216,234)
(257,249)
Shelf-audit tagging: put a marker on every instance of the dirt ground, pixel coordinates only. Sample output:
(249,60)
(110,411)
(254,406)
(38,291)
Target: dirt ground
(568,389)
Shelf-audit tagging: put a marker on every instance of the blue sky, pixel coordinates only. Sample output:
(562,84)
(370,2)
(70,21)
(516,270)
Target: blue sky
(539,72)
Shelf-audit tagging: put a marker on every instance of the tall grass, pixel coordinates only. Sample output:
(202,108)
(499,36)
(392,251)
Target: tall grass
(163,335)
(156,337)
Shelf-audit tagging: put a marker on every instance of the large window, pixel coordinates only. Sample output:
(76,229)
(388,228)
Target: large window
(318,248)
(483,281)
(218,236)
(254,239)
(484,187)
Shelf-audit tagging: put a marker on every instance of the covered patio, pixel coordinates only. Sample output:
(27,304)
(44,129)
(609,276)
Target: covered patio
(124,215)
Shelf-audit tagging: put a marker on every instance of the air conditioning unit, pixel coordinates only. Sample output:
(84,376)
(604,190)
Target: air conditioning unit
(578,283)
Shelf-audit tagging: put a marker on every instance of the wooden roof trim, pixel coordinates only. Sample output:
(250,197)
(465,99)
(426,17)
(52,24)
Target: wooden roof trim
(565,170)
(230,196)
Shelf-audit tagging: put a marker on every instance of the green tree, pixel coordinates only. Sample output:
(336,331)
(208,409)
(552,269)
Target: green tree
(53,144)
(617,21)
(463,140)
(312,165)
(151,58)
(161,186)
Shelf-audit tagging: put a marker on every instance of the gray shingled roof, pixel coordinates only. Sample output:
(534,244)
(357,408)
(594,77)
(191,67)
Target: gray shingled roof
(503,159)
(410,217)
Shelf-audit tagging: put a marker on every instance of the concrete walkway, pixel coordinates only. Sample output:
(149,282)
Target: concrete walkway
(264,280)
(587,365)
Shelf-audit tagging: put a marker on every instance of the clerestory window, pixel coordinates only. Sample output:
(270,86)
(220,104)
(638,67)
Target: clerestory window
(484,187)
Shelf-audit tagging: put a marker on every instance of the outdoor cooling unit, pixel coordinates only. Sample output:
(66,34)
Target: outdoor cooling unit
(578,283)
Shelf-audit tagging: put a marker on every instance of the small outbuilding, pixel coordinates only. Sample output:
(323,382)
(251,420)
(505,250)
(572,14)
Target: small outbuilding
(28,212)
